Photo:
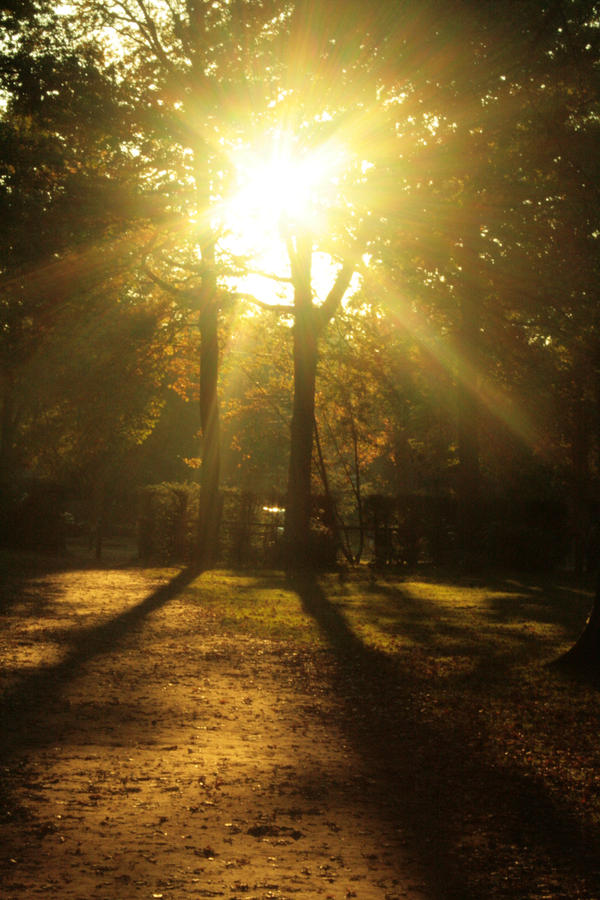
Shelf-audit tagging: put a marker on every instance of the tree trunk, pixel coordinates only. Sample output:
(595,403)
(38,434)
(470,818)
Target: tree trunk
(584,655)
(298,506)
(309,323)
(99,493)
(209,517)
(7,428)
(468,488)
(209,514)
(469,473)
(580,468)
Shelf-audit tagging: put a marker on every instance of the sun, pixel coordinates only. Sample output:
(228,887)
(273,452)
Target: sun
(283,190)
(280,186)
(278,189)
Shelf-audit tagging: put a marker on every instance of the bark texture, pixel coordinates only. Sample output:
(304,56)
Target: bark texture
(309,323)
(209,518)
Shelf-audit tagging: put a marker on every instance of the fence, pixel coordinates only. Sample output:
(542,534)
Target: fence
(393,531)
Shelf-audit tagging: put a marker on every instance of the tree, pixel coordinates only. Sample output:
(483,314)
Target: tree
(309,323)
(190,68)
(324,100)
(97,389)
(256,379)
(384,424)
(462,141)
(474,180)
(66,198)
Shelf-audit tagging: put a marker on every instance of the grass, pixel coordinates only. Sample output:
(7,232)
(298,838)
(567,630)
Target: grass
(262,606)
(515,622)
(470,676)
(493,751)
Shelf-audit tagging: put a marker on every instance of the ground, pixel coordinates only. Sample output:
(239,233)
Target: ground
(161,737)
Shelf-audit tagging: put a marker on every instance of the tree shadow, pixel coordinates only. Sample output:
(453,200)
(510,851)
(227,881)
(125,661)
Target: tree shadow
(33,690)
(435,781)
(518,621)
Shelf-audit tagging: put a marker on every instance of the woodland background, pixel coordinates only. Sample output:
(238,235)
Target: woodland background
(458,374)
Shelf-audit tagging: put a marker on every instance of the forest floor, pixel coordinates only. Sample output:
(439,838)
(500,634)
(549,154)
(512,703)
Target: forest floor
(172,735)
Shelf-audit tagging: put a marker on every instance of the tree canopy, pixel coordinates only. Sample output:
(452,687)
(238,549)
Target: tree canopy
(420,317)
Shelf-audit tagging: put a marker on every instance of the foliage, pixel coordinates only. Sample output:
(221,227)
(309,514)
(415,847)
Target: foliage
(468,355)
(74,350)
(255,387)
(168,514)
(32,517)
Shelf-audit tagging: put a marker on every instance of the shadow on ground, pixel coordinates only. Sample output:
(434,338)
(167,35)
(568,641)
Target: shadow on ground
(34,689)
(432,777)
(437,782)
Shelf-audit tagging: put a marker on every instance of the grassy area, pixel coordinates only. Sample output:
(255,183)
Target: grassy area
(263,606)
(491,756)
(486,643)
(480,707)
(464,625)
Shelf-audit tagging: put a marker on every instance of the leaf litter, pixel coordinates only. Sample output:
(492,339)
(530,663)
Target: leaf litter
(190,748)
(167,760)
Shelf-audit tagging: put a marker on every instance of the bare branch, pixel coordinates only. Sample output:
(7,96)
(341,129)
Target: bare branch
(161,283)
(291,252)
(147,37)
(264,393)
(282,309)
(327,310)
(151,31)
(245,264)
(282,279)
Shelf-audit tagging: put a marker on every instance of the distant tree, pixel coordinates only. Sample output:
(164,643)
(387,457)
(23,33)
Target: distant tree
(383,417)
(483,121)
(257,376)
(324,100)
(193,70)
(66,197)
(96,391)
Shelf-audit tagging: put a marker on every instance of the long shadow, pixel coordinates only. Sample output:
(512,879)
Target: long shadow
(510,600)
(544,597)
(32,691)
(435,784)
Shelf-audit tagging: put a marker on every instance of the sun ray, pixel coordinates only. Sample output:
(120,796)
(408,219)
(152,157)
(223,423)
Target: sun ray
(498,402)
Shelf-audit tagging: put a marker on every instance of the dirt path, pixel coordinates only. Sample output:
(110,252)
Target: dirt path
(144,755)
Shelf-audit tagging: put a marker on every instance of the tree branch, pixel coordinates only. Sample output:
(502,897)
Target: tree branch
(327,310)
(282,279)
(282,309)
(151,31)
(164,285)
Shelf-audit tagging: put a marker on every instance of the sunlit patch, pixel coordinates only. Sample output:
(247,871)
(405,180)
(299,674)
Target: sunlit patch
(283,190)
(281,186)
